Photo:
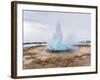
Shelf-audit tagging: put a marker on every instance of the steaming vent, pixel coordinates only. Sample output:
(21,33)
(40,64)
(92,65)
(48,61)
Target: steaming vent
(57,44)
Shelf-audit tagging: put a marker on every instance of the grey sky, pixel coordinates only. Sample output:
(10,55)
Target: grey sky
(40,25)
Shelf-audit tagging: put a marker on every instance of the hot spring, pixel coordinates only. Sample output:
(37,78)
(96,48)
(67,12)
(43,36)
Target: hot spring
(57,44)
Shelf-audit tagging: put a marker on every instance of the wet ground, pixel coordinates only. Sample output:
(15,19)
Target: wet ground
(40,57)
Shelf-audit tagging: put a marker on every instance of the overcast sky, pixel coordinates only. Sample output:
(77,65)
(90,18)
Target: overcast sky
(40,25)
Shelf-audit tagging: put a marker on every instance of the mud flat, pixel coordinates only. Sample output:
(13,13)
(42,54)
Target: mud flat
(39,57)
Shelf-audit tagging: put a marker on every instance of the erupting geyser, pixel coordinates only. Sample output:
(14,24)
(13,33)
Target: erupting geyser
(57,44)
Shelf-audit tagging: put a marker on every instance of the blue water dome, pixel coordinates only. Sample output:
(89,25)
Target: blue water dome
(57,44)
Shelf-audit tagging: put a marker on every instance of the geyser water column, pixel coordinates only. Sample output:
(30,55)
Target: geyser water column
(57,43)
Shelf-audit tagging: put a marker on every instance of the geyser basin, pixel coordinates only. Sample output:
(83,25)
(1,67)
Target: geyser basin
(57,44)
(60,47)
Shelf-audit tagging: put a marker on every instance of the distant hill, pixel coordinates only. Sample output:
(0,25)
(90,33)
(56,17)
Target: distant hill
(87,41)
(84,43)
(34,43)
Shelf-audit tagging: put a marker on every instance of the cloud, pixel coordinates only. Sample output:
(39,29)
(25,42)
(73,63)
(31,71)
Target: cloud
(35,32)
(40,26)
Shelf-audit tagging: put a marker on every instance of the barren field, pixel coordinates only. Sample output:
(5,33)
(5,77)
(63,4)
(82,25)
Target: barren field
(39,57)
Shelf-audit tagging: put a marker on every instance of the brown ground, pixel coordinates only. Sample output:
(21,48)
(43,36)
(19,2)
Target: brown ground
(39,57)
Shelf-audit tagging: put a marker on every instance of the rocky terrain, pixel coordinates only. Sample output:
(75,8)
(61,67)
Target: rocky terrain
(39,57)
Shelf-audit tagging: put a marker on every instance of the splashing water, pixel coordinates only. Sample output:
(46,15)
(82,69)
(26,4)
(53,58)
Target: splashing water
(57,42)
